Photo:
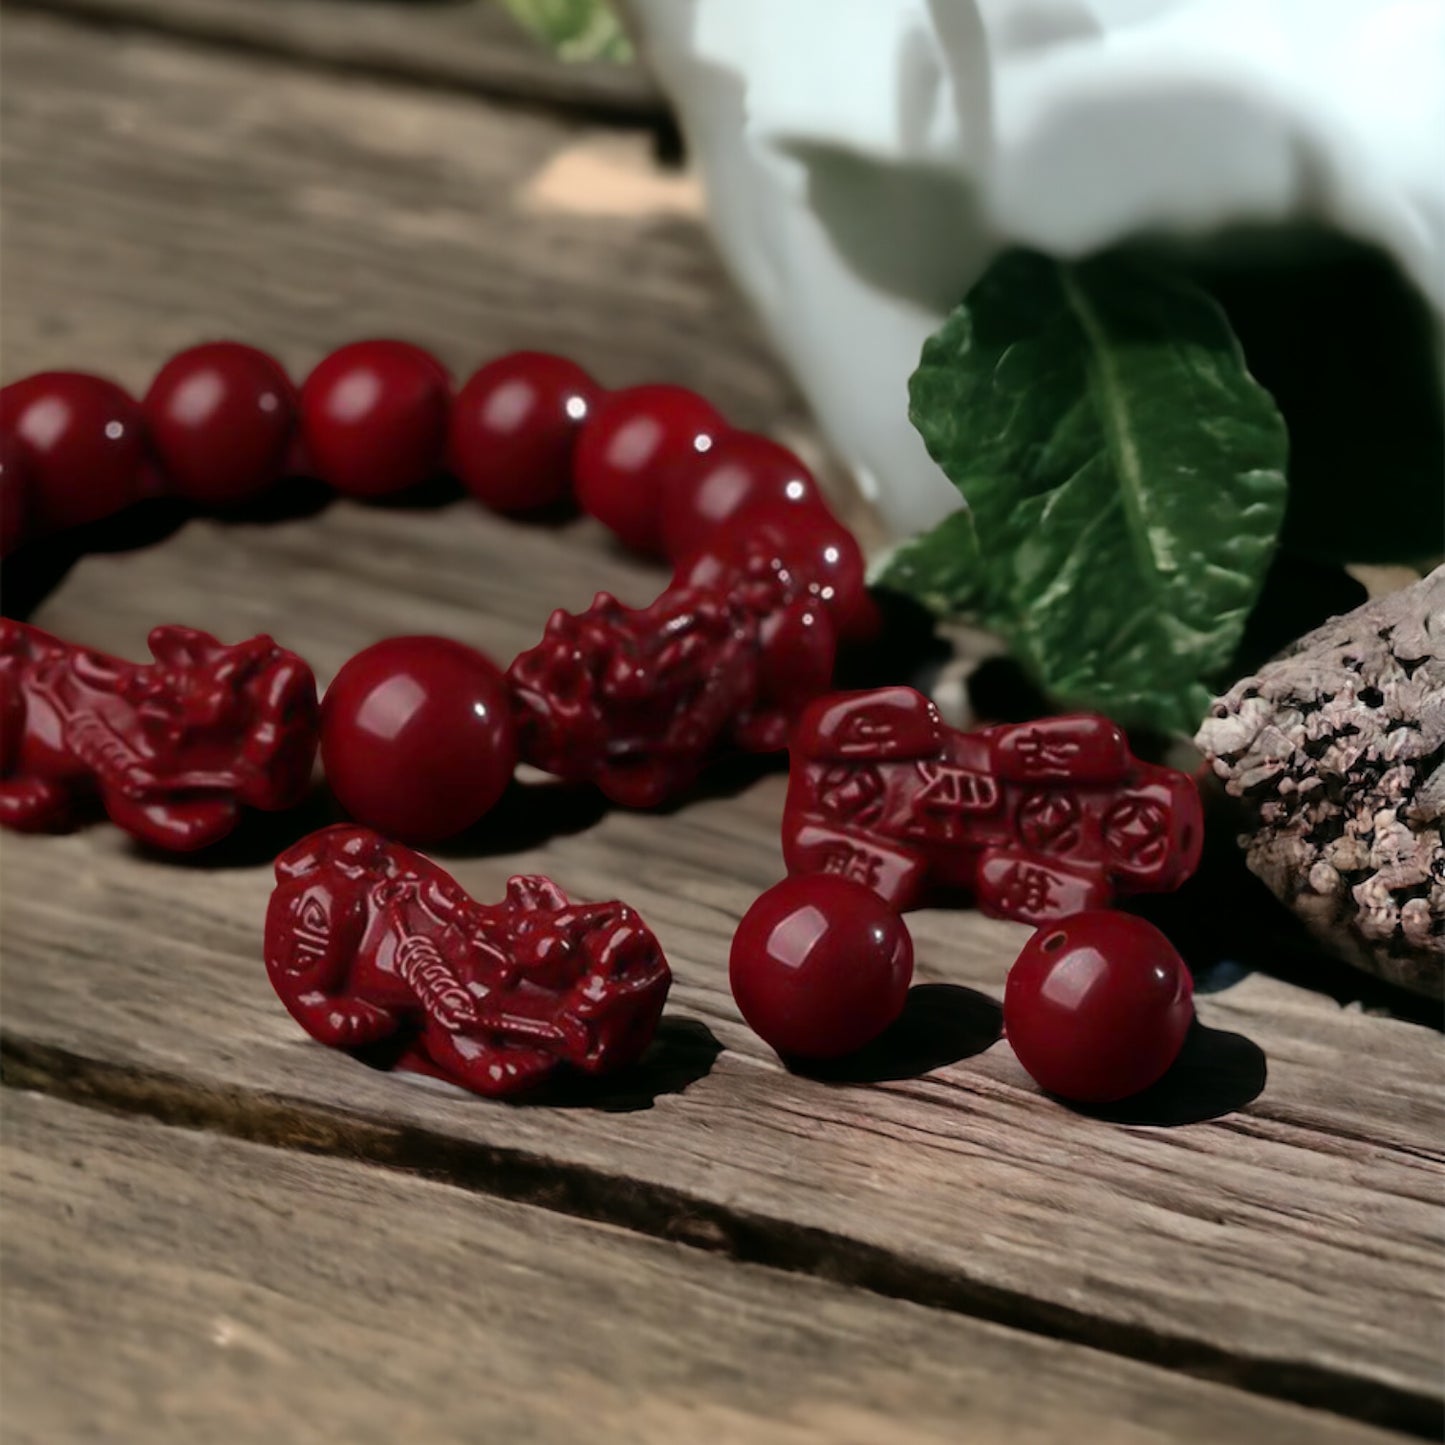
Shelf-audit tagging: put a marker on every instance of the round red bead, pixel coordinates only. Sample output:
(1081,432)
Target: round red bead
(221,419)
(416,737)
(1097,1006)
(630,441)
(81,445)
(739,471)
(514,426)
(375,417)
(820,966)
(14,503)
(815,545)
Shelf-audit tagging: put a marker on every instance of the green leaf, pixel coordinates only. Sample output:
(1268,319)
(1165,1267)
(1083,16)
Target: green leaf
(1124,476)
(575,29)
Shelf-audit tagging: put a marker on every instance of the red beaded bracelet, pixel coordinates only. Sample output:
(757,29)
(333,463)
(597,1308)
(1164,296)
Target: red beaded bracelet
(419,736)
(221,425)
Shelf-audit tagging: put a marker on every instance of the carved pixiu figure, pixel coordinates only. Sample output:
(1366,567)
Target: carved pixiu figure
(369,943)
(638,700)
(1037,819)
(174,749)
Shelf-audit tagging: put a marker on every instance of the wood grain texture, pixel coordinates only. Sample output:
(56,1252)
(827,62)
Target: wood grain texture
(155,194)
(195,1289)
(1290,1245)
(469,45)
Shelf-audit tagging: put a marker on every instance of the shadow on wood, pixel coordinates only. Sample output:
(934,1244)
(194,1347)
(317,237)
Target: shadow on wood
(1227,925)
(682,1052)
(1216,1073)
(906,649)
(258,838)
(941,1024)
(37,568)
(527,816)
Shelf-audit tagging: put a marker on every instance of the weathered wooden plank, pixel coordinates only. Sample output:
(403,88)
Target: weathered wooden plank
(157,194)
(470,45)
(1290,1257)
(186,1287)
(1290,1246)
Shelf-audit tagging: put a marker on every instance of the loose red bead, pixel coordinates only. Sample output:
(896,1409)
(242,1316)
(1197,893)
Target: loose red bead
(1097,1006)
(81,445)
(416,737)
(14,502)
(820,966)
(375,417)
(514,426)
(630,441)
(739,471)
(221,419)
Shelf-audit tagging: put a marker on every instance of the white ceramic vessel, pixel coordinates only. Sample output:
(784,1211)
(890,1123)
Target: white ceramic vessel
(865,158)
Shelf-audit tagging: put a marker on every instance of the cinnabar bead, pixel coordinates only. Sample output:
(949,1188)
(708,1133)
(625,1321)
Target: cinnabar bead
(221,418)
(739,471)
(1097,1006)
(14,503)
(514,426)
(369,943)
(820,966)
(173,749)
(631,440)
(1038,820)
(417,738)
(81,444)
(809,540)
(374,415)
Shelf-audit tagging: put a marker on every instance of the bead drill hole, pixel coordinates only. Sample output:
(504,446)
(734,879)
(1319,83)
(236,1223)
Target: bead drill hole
(1054,942)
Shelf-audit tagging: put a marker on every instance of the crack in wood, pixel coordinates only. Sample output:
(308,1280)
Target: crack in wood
(655,1210)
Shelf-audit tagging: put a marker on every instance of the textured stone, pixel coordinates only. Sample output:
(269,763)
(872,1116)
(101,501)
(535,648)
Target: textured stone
(1336,753)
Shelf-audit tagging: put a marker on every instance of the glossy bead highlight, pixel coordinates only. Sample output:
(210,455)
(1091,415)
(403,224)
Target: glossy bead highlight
(417,737)
(630,441)
(221,418)
(739,471)
(810,542)
(375,417)
(514,427)
(81,446)
(1097,1006)
(820,966)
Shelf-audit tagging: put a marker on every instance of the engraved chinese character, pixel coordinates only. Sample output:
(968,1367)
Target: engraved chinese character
(1025,890)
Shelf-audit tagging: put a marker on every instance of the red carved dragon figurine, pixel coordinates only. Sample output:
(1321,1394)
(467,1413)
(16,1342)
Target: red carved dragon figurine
(1037,819)
(638,700)
(367,941)
(173,748)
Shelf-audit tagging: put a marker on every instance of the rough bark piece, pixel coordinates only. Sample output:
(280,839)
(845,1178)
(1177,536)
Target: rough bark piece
(1336,750)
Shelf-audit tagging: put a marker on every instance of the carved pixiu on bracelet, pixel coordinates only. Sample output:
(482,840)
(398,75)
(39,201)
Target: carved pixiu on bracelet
(369,943)
(173,749)
(1037,819)
(637,700)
